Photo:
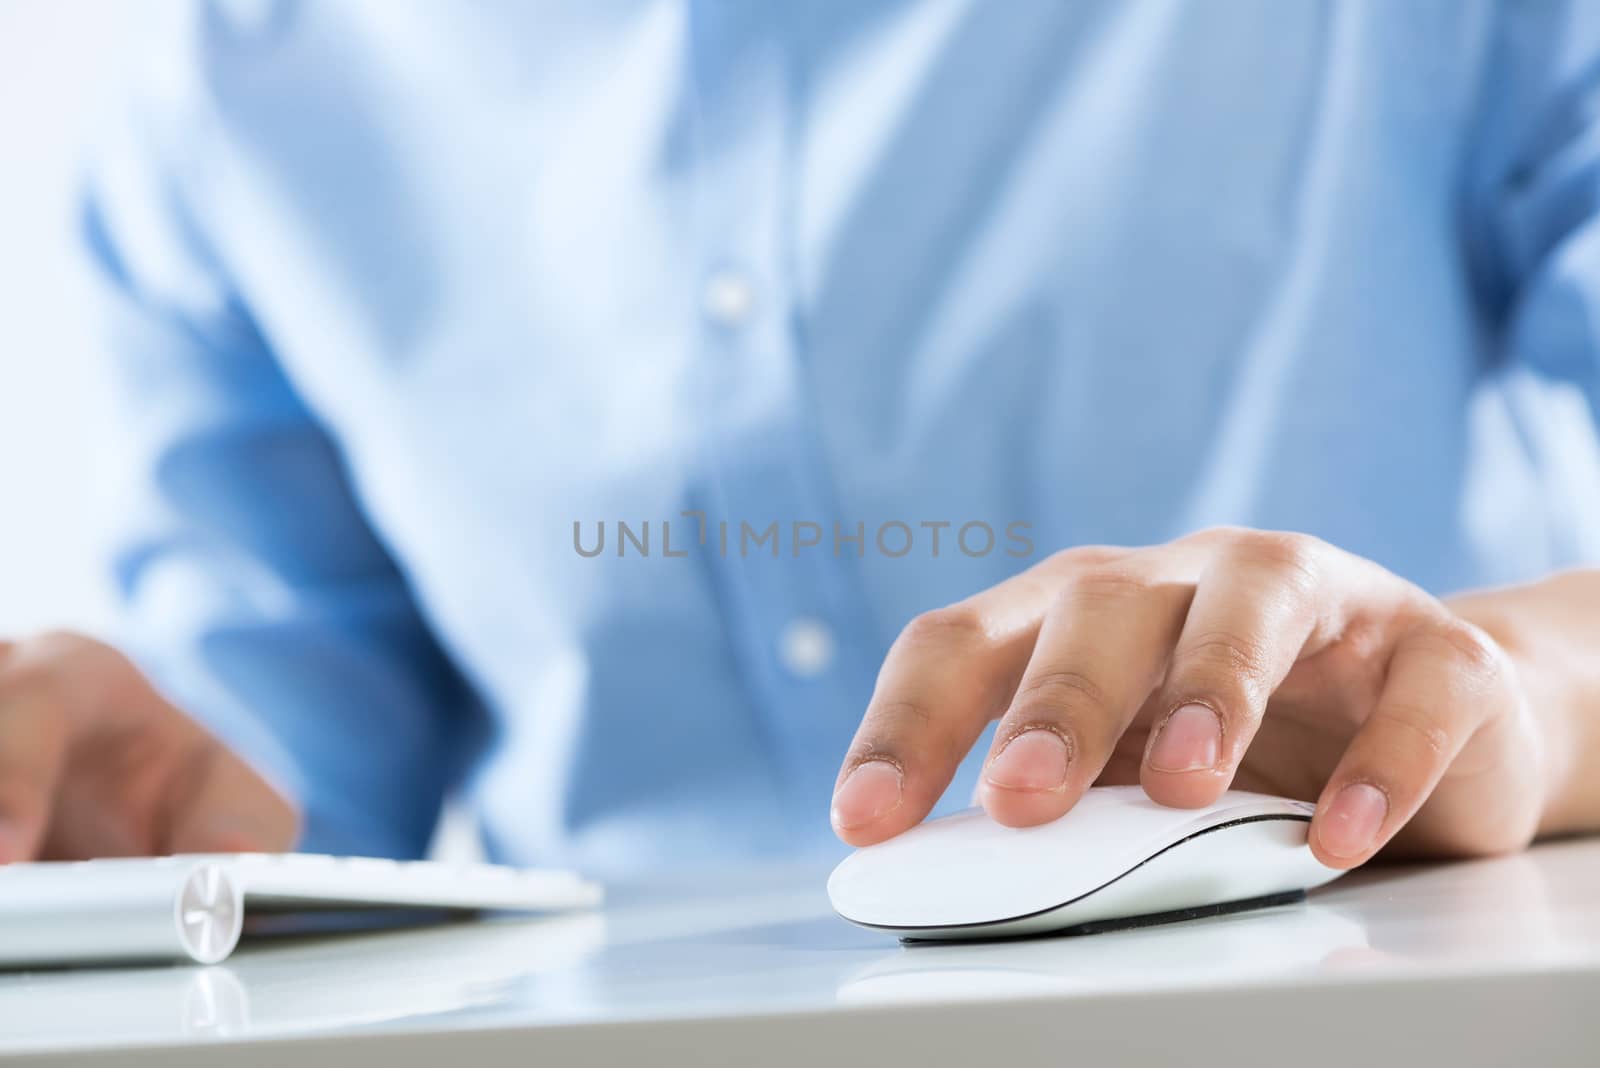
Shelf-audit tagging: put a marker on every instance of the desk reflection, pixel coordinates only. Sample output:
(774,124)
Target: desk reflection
(281,985)
(1241,947)
(710,947)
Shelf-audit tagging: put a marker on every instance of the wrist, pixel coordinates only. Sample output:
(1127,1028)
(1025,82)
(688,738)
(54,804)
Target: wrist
(1549,639)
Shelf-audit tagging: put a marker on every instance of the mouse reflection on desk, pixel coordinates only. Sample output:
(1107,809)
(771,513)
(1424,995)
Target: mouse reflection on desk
(1274,944)
(1116,859)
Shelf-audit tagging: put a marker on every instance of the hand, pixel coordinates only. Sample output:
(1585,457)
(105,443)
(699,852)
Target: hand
(1273,662)
(93,762)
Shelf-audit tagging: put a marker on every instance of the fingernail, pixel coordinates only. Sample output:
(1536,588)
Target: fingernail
(1350,825)
(1189,740)
(1033,760)
(868,794)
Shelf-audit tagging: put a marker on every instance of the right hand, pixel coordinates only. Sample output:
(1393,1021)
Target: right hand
(94,763)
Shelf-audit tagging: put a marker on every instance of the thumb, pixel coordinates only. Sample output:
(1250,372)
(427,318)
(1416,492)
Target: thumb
(221,805)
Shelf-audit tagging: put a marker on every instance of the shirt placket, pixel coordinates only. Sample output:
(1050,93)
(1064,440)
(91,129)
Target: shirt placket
(797,614)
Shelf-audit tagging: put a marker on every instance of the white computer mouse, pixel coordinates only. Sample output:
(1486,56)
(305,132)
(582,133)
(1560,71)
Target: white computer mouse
(1117,856)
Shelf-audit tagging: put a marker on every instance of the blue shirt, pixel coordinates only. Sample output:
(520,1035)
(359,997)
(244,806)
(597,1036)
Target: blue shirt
(414,303)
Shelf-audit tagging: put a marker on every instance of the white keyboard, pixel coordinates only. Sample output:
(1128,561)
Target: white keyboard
(192,908)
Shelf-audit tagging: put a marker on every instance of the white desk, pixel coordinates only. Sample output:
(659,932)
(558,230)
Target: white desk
(1492,963)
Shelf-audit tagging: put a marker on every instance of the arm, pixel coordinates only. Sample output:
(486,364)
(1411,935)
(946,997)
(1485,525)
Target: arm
(257,596)
(1551,630)
(1532,233)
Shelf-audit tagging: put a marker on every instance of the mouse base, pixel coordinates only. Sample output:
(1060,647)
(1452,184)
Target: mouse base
(1124,923)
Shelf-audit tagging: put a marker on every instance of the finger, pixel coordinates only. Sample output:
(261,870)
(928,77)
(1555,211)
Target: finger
(1445,680)
(1260,604)
(938,687)
(1100,652)
(219,804)
(33,744)
(949,674)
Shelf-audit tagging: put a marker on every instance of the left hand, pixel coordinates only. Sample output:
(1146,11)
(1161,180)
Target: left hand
(1274,662)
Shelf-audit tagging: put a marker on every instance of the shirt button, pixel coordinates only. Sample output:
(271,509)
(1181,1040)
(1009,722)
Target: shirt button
(805,647)
(729,297)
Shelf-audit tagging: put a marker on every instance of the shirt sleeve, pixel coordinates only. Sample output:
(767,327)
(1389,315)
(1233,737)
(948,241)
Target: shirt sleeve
(257,596)
(1533,193)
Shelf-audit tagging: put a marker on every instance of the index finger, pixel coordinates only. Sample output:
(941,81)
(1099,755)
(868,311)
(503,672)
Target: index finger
(950,672)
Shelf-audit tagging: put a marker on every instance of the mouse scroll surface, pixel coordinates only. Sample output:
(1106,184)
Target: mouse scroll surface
(1116,855)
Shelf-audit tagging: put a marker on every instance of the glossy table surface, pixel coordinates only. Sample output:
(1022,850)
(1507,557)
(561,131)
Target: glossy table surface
(1477,962)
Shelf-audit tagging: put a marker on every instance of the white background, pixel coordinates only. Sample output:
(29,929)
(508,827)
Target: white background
(58,62)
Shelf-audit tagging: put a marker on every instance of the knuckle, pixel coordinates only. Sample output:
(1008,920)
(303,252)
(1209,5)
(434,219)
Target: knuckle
(900,730)
(1085,556)
(1428,731)
(892,720)
(1223,662)
(907,730)
(1101,583)
(1219,533)
(1467,647)
(954,626)
(1297,556)
(1049,695)
(1473,662)
(38,678)
(61,666)
(64,645)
